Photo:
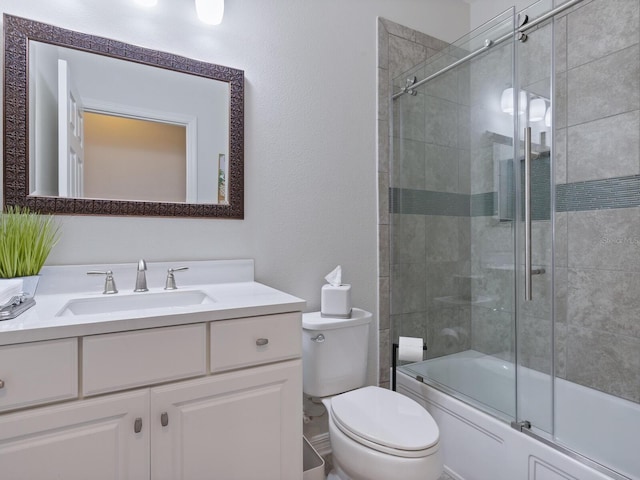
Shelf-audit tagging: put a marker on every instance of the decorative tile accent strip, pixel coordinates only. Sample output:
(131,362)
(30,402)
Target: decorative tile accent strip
(619,192)
(427,202)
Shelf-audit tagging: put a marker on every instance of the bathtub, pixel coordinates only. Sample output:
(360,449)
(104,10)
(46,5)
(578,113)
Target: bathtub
(479,443)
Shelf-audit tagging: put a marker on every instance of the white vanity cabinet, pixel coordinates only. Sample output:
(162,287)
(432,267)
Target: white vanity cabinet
(210,400)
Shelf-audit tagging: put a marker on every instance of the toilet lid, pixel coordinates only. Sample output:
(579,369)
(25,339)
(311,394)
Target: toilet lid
(385,418)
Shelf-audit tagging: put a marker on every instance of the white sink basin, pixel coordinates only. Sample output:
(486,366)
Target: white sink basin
(138,301)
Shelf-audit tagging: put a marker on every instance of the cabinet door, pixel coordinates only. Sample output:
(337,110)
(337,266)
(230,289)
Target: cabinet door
(240,425)
(91,439)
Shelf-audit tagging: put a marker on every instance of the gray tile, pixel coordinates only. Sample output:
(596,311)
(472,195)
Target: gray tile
(384,91)
(448,330)
(397,29)
(560,37)
(464,171)
(384,146)
(385,303)
(407,288)
(384,244)
(443,86)
(560,159)
(411,165)
(605,239)
(410,325)
(440,122)
(442,244)
(601,28)
(494,288)
(440,282)
(606,362)
(561,100)
(535,343)
(412,119)
(604,148)
(604,87)
(408,239)
(492,332)
(384,348)
(383,45)
(561,239)
(404,54)
(383,198)
(482,170)
(605,300)
(441,165)
(429,41)
(489,74)
(534,56)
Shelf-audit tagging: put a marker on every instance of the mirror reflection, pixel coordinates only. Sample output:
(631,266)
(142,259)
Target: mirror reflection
(94,126)
(107,128)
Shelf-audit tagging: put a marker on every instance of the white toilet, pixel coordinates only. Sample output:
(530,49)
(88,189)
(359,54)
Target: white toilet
(375,434)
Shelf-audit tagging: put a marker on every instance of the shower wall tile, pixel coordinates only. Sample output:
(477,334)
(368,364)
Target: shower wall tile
(534,343)
(384,246)
(442,243)
(464,171)
(441,165)
(560,159)
(561,99)
(493,288)
(448,331)
(604,87)
(464,85)
(413,124)
(561,243)
(605,239)
(384,89)
(444,86)
(429,41)
(482,170)
(412,169)
(440,121)
(560,38)
(604,300)
(535,56)
(409,325)
(384,347)
(383,199)
(489,73)
(604,361)
(383,45)
(492,332)
(385,302)
(440,281)
(408,239)
(407,288)
(464,127)
(601,28)
(540,304)
(404,54)
(384,146)
(604,148)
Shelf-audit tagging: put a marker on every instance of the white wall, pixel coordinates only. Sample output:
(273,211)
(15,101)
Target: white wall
(482,11)
(310,123)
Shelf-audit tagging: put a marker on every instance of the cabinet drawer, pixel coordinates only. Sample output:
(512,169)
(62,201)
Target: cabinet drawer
(237,343)
(40,372)
(130,359)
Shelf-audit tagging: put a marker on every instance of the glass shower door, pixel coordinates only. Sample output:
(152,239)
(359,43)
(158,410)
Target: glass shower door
(535,261)
(453,219)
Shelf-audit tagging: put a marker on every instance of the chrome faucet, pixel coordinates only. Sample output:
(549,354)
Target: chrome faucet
(141,277)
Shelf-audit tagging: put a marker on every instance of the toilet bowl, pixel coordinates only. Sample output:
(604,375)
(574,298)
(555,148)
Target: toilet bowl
(375,434)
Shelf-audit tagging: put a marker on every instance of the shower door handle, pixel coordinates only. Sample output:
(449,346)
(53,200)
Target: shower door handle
(528,270)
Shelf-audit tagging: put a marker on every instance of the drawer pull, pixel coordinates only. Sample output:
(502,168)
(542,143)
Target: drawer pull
(262,342)
(1,383)
(164,419)
(137,425)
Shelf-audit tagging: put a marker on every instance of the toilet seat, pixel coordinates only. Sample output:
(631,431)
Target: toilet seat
(386,421)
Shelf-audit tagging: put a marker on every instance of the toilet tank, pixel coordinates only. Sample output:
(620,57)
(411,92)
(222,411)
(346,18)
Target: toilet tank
(334,353)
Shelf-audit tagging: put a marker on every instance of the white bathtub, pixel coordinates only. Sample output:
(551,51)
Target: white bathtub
(597,425)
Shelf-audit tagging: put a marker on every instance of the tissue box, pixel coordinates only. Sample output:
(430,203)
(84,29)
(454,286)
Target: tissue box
(335,301)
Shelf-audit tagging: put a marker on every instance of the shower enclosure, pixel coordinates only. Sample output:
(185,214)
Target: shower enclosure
(515,224)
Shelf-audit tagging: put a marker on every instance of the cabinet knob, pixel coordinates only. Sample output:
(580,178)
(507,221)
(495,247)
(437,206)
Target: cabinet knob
(262,341)
(137,425)
(164,419)
(1,383)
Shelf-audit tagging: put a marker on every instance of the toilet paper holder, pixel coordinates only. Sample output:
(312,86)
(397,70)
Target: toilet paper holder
(394,362)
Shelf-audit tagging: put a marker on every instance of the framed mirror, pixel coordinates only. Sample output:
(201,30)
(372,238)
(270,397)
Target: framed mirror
(97,126)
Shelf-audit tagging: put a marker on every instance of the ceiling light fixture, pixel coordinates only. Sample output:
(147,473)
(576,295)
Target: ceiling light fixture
(210,11)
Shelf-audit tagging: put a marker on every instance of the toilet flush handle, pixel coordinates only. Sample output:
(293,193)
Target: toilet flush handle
(318,338)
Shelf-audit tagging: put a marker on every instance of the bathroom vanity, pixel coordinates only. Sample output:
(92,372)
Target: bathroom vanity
(204,385)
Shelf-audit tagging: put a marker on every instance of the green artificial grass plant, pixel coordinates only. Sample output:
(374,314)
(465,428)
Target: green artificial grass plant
(26,239)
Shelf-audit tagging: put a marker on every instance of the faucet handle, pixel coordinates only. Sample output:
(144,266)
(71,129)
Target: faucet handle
(170,284)
(109,282)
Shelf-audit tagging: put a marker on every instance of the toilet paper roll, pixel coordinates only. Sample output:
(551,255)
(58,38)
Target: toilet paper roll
(410,349)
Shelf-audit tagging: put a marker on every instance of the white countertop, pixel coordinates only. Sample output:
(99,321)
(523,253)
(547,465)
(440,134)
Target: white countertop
(240,297)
